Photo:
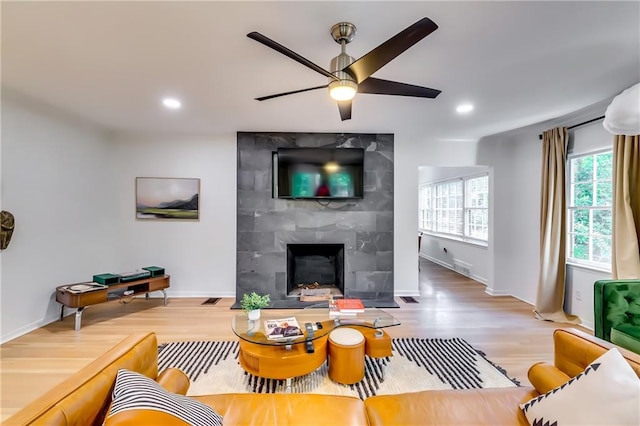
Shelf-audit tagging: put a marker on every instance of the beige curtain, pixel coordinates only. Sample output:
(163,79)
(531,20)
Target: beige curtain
(551,285)
(625,250)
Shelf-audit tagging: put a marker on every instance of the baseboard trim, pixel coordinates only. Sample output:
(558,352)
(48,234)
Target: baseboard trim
(412,293)
(188,294)
(529,302)
(481,280)
(437,261)
(491,292)
(28,328)
(586,325)
(21,331)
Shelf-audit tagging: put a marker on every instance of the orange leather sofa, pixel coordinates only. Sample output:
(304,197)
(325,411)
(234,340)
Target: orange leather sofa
(84,398)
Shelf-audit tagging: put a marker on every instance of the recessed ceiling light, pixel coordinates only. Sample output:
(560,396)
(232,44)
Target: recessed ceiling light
(171,103)
(464,108)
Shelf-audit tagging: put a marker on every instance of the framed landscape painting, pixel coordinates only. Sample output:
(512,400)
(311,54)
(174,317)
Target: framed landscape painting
(167,198)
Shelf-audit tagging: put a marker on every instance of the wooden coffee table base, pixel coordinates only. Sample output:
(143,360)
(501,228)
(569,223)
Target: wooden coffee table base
(276,362)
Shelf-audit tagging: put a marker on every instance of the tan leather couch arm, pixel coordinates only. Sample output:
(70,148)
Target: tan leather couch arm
(174,380)
(545,377)
(574,350)
(83,398)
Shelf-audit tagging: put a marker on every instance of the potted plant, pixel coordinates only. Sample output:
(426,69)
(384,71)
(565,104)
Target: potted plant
(252,303)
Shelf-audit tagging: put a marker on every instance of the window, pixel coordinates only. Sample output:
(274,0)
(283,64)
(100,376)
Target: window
(589,209)
(457,207)
(476,208)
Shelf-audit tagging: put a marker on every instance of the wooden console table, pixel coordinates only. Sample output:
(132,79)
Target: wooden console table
(113,292)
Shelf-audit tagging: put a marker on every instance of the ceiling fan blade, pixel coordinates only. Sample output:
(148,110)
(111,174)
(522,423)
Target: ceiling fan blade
(290,53)
(264,98)
(345,110)
(377,86)
(361,69)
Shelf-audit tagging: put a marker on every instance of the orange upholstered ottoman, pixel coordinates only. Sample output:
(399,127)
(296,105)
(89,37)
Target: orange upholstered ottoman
(377,342)
(346,355)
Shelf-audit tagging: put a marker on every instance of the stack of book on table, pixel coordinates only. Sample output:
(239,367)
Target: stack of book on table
(345,307)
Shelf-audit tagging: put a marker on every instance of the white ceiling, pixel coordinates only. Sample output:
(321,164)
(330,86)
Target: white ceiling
(519,62)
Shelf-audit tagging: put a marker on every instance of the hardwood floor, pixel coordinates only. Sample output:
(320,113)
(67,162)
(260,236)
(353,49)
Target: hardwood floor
(450,305)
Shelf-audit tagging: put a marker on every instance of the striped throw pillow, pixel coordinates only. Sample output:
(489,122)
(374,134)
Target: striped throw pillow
(134,394)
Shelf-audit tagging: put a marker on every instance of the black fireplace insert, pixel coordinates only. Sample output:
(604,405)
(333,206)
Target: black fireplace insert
(315,266)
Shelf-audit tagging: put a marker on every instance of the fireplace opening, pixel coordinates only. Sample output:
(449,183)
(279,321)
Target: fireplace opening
(315,266)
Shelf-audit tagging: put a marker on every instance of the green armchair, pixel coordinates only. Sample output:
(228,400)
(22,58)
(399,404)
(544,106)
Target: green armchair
(617,312)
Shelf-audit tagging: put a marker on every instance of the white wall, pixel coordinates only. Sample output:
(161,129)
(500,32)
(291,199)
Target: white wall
(56,181)
(412,150)
(72,190)
(579,292)
(200,256)
(516,187)
(475,257)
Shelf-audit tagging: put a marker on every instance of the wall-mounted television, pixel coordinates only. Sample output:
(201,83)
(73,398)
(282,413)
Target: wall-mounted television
(319,173)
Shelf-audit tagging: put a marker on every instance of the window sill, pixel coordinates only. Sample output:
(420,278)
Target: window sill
(592,268)
(469,241)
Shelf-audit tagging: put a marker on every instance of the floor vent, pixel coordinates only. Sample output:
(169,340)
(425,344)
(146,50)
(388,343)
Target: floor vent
(461,267)
(211,301)
(409,299)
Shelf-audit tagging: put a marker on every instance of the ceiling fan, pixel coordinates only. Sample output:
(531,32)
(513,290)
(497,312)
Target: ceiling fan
(348,76)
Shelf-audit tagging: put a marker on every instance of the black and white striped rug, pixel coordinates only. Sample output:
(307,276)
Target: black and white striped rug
(416,364)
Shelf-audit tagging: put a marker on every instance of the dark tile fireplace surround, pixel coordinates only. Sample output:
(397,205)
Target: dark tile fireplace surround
(283,243)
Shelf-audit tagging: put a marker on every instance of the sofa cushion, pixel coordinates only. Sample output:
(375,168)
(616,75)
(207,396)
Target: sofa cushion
(140,400)
(605,393)
(492,406)
(293,409)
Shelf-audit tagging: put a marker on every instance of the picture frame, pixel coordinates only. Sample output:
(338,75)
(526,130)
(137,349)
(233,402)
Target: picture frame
(162,198)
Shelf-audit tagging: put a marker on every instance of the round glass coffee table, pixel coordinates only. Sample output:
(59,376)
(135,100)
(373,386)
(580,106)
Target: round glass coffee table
(285,358)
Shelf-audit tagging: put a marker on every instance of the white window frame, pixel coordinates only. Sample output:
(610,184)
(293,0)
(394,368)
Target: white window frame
(469,208)
(589,264)
(427,210)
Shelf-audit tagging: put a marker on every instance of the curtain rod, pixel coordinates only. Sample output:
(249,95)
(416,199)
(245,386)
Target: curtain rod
(580,124)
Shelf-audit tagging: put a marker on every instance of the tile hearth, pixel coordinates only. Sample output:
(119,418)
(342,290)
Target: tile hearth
(295,303)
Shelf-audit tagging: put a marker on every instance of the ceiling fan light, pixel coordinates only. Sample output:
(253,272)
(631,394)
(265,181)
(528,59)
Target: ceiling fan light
(343,90)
